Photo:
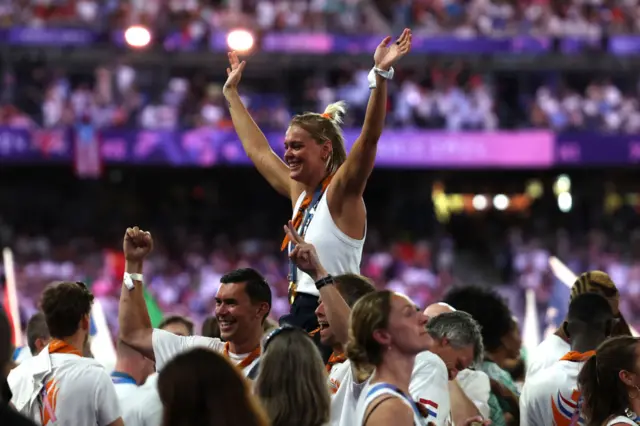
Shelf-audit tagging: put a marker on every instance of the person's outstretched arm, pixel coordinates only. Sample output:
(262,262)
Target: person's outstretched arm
(255,144)
(351,178)
(305,257)
(133,317)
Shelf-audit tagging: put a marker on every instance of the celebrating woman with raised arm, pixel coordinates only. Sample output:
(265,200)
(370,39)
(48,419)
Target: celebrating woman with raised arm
(324,184)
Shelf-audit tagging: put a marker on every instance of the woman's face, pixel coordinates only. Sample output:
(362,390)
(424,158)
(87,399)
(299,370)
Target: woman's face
(407,326)
(306,158)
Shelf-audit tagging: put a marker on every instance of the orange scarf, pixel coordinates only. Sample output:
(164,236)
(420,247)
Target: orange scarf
(297,219)
(577,356)
(335,359)
(245,362)
(60,347)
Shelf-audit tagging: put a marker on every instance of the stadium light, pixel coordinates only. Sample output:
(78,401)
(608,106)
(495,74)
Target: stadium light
(240,40)
(479,202)
(563,184)
(501,202)
(565,202)
(137,36)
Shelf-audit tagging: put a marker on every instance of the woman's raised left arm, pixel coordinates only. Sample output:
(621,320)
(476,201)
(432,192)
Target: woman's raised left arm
(351,177)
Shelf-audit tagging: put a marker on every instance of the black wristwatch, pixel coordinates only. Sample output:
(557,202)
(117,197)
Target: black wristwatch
(324,281)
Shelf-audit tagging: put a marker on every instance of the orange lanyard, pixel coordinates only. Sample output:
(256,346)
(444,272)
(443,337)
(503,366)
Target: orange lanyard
(60,347)
(577,356)
(335,359)
(245,362)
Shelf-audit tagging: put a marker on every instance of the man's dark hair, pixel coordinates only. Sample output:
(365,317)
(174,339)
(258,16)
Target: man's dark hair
(177,319)
(256,286)
(486,307)
(36,329)
(353,286)
(64,304)
(590,311)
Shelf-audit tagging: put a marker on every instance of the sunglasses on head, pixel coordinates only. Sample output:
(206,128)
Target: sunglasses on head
(272,334)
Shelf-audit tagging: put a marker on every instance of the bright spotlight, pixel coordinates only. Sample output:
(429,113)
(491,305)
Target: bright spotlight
(240,40)
(563,184)
(501,202)
(565,202)
(479,202)
(137,36)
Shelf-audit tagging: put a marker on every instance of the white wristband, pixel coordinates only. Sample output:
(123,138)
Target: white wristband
(128,280)
(387,75)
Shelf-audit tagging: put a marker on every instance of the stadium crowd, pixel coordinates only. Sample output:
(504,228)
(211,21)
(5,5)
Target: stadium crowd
(466,18)
(442,98)
(423,351)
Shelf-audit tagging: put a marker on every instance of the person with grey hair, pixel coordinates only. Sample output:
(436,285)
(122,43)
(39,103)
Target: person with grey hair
(457,344)
(470,392)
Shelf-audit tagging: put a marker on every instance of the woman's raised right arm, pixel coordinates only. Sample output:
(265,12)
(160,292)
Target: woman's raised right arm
(255,144)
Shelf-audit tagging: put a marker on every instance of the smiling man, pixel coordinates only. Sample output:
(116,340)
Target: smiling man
(243,303)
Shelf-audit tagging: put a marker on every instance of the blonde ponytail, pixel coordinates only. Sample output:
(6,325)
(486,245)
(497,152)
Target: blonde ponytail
(335,111)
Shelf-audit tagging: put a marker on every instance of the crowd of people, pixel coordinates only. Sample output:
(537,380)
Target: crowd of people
(121,96)
(459,362)
(468,18)
(344,353)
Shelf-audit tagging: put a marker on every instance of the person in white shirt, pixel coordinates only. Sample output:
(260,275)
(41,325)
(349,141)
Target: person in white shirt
(556,345)
(60,386)
(469,392)
(243,303)
(457,344)
(139,408)
(337,295)
(387,332)
(552,397)
(324,184)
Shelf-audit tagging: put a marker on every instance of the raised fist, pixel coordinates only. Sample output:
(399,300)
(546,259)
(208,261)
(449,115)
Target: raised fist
(137,244)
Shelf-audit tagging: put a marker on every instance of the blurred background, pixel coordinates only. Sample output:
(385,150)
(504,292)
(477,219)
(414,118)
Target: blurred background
(513,134)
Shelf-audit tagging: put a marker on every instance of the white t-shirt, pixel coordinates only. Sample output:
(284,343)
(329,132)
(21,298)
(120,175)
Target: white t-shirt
(477,387)
(547,353)
(167,345)
(345,400)
(79,390)
(141,405)
(337,375)
(338,252)
(551,397)
(429,386)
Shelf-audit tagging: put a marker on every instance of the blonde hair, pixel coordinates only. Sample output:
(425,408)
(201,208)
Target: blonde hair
(326,127)
(292,383)
(369,314)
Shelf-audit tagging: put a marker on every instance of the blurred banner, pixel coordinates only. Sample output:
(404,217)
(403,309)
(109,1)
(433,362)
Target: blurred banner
(591,149)
(321,43)
(207,147)
(418,149)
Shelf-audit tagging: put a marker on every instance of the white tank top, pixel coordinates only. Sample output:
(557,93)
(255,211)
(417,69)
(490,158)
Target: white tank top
(338,253)
(379,389)
(621,419)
